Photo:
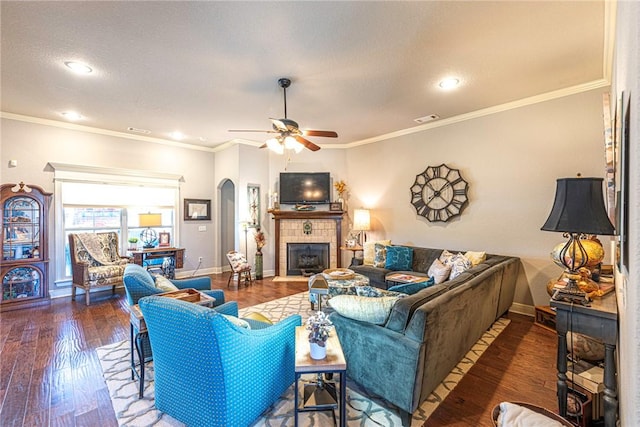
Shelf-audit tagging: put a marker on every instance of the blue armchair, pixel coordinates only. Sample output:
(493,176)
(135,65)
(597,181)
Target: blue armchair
(210,372)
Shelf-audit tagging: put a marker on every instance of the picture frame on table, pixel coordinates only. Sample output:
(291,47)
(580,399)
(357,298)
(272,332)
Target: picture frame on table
(335,206)
(164,239)
(197,210)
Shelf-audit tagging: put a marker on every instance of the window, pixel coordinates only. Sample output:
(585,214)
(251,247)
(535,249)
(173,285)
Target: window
(100,200)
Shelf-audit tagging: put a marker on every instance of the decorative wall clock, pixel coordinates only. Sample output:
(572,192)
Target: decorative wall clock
(253,197)
(439,193)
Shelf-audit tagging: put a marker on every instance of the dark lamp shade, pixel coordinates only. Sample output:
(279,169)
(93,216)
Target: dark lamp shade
(579,208)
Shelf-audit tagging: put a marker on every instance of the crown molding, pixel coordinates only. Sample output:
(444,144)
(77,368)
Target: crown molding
(585,87)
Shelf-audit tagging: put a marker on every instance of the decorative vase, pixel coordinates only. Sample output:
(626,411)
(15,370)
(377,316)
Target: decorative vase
(317,352)
(259,265)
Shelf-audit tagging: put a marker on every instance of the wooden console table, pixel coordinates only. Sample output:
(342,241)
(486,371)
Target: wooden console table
(598,321)
(175,255)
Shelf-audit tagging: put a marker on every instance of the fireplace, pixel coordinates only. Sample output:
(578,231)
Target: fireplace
(305,259)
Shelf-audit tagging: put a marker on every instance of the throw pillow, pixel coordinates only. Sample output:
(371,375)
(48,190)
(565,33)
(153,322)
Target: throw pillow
(439,271)
(165,284)
(368,251)
(373,292)
(399,258)
(412,288)
(380,258)
(364,309)
(237,321)
(459,264)
(476,257)
(446,256)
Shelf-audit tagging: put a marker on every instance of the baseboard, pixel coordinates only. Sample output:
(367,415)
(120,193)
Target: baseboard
(527,310)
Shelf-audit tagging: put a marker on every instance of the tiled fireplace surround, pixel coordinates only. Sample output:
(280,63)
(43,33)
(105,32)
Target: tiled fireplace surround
(326,227)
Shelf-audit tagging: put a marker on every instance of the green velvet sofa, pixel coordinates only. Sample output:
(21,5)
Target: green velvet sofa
(427,333)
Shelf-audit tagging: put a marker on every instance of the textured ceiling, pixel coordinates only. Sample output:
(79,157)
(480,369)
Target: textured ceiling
(363,69)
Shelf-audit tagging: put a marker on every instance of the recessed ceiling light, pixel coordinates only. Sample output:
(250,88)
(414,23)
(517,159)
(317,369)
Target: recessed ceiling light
(78,67)
(449,83)
(71,115)
(178,136)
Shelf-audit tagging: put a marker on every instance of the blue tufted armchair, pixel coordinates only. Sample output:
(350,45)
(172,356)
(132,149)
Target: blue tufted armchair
(211,372)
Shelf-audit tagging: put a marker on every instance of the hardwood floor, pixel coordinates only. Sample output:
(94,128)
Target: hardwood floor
(50,375)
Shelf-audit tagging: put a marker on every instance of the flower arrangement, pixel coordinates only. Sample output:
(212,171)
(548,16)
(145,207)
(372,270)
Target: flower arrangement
(341,187)
(260,239)
(319,326)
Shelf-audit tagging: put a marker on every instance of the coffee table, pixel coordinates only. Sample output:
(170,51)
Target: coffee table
(336,287)
(320,396)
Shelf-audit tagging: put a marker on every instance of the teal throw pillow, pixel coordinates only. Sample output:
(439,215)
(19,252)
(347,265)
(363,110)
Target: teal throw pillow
(412,288)
(399,258)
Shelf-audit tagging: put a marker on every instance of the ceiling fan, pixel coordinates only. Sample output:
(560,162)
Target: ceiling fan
(288,132)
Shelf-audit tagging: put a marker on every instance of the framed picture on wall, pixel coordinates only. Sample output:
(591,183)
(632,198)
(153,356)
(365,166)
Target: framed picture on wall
(164,239)
(197,209)
(253,200)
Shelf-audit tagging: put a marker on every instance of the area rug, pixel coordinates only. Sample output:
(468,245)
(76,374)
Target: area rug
(363,409)
(277,279)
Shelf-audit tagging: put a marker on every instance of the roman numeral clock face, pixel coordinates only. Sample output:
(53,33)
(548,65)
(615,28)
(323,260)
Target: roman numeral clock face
(439,193)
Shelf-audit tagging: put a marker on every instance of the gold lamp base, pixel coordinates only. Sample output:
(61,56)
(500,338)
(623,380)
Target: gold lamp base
(571,292)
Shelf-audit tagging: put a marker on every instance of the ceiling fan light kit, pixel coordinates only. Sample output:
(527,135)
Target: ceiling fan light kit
(290,136)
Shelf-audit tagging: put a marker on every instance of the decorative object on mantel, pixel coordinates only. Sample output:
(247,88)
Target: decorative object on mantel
(439,193)
(318,326)
(304,208)
(578,211)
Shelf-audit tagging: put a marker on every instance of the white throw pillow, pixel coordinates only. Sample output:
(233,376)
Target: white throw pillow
(439,271)
(165,284)
(366,309)
(476,257)
(237,321)
(369,251)
(445,257)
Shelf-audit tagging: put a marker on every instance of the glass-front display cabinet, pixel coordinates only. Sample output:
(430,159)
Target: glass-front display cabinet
(25,259)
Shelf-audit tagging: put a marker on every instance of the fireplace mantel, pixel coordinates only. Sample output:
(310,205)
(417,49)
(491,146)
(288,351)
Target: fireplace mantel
(280,216)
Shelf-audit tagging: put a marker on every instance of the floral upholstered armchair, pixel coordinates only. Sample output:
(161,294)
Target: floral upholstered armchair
(95,262)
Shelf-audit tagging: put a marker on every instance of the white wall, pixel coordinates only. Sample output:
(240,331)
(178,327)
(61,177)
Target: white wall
(511,161)
(626,79)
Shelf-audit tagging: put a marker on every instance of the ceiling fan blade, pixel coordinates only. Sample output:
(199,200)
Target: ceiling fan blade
(252,130)
(310,145)
(325,133)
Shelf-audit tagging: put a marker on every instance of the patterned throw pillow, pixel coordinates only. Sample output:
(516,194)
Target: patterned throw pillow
(368,251)
(412,288)
(459,264)
(439,271)
(165,284)
(399,258)
(380,258)
(373,292)
(446,256)
(476,257)
(364,309)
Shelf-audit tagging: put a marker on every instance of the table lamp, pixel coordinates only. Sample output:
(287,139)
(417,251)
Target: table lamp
(148,236)
(578,210)
(362,223)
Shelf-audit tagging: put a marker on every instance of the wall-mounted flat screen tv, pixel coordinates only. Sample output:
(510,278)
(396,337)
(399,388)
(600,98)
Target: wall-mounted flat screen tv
(305,188)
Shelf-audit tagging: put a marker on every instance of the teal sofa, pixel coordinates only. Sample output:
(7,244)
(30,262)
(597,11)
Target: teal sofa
(427,333)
